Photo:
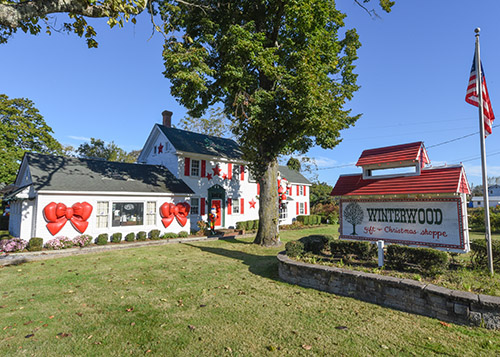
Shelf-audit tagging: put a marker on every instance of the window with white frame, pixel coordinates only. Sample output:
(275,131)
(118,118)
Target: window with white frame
(301,208)
(236,205)
(195,205)
(301,190)
(128,214)
(283,212)
(151,213)
(195,167)
(236,172)
(102,214)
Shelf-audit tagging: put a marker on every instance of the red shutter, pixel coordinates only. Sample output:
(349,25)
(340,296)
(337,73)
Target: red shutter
(305,187)
(229,171)
(298,191)
(242,205)
(290,190)
(242,173)
(202,206)
(187,166)
(203,168)
(229,206)
(298,209)
(258,188)
(305,207)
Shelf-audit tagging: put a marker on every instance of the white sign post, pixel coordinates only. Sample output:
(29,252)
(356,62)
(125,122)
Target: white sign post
(431,222)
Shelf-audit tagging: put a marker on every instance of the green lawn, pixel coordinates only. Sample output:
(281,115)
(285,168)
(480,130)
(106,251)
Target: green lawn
(204,298)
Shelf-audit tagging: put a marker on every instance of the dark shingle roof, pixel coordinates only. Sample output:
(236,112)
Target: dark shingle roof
(57,173)
(292,175)
(188,141)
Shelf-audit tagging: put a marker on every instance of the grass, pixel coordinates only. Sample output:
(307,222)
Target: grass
(204,298)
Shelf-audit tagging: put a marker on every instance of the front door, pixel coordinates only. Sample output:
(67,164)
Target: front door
(217,204)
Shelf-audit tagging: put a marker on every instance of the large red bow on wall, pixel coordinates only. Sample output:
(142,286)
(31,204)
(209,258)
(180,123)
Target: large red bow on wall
(180,211)
(57,214)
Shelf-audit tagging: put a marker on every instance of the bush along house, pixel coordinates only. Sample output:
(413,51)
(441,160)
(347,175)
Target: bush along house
(60,196)
(397,199)
(181,176)
(214,169)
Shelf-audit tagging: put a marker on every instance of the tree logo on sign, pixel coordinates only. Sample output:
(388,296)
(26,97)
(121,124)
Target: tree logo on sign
(354,215)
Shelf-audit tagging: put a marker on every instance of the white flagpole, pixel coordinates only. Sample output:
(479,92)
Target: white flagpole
(479,78)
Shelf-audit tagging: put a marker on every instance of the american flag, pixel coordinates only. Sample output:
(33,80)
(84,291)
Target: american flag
(472,95)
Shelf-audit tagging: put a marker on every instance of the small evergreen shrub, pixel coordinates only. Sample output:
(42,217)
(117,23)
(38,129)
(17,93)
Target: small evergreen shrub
(183,234)
(12,245)
(35,244)
(82,240)
(116,238)
(141,236)
(316,243)
(361,250)
(241,226)
(154,234)
(170,235)
(429,261)
(102,239)
(479,253)
(301,219)
(130,237)
(294,248)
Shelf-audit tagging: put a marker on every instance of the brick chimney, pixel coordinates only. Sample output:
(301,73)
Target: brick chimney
(167,118)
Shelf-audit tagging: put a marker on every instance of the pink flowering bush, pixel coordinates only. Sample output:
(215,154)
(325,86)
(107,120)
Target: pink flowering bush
(60,242)
(12,245)
(82,240)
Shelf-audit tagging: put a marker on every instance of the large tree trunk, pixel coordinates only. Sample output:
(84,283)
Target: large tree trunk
(268,235)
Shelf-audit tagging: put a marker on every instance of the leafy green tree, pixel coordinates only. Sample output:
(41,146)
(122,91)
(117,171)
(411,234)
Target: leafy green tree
(294,164)
(320,193)
(216,124)
(282,70)
(98,149)
(22,129)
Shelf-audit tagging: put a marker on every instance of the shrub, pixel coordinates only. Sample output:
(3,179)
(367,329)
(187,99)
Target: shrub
(141,236)
(82,240)
(60,242)
(130,237)
(315,243)
(116,237)
(294,248)
(183,234)
(102,239)
(241,225)
(154,234)
(361,250)
(35,244)
(479,253)
(170,235)
(301,219)
(427,260)
(12,245)
(307,220)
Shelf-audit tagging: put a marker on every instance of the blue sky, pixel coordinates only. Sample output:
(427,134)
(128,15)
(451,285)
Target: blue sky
(413,69)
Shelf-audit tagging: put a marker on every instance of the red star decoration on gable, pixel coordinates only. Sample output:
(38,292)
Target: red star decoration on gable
(160,148)
(217,170)
(252,203)
(209,176)
(224,177)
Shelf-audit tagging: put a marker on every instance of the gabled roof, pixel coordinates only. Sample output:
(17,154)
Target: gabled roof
(57,173)
(188,141)
(391,154)
(292,176)
(433,180)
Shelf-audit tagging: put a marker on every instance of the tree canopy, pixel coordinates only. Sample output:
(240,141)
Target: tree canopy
(216,124)
(23,129)
(98,149)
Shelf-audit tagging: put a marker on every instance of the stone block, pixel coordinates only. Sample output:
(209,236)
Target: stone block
(460,309)
(492,320)
(464,296)
(475,318)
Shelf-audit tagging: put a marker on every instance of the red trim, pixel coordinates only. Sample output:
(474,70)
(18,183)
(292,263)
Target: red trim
(242,205)
(229,206)
(258,188)
(242,173)
(203,168)
(298,191)
(229,171)
(187,166)
(297,208)
(305,188)
(290,190)
(202,206)
(305,207)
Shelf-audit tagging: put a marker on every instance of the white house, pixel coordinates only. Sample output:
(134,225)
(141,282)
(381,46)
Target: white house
(213,168)
(478,201)
(59,196)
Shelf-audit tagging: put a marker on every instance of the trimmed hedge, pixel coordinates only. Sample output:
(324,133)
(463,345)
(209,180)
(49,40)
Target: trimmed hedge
(316,243)
(361,250)
(102,239)
(170,235)
(294,248)
(35,244)
(130,237)
(154,234)
(248,225)
(427,260)
(141,236)
(183,234)
(309,220)
(116,237)
(479,253)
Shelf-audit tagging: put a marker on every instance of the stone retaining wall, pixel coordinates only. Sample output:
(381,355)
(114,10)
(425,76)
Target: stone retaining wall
(403,294)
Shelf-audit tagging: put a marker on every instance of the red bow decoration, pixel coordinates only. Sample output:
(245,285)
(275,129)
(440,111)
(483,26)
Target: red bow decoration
(57,214)
(180,211)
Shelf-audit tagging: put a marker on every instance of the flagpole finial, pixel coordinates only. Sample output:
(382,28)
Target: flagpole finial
(477,30)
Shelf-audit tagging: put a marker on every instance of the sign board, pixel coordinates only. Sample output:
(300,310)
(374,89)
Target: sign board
(434,222)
